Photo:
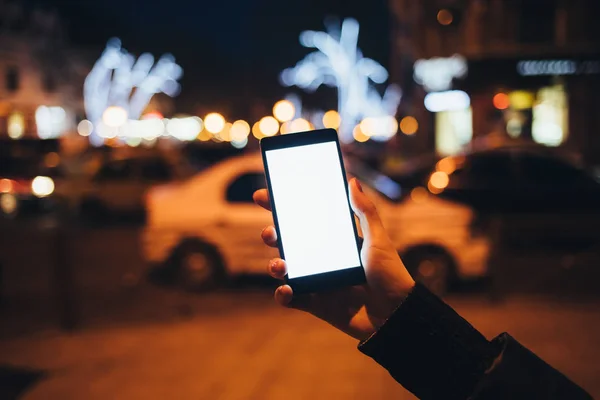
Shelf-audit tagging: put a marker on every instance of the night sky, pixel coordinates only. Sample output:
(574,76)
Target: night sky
(231,50)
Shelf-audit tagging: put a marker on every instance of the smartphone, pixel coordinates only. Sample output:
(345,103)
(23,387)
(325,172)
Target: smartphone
(316,229)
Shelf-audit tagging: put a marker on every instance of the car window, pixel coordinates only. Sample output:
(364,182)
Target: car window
(485,170)
(115,170)
(156,170)
(546,171)
(241,188)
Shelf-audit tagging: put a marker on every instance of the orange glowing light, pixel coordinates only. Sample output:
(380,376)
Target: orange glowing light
(446,165)
(359,135)
(439,180)
(445,17)
(501,101)
(52,160)
(409,125)
(256,131)
(433,189)
(332,119)
(204,136)
(6,186)
(153,115)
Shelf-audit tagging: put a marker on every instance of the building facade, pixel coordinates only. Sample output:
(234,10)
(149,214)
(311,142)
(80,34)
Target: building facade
(41,76)
(525,69)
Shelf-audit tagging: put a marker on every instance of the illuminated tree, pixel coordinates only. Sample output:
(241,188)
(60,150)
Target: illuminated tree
(117,79)
(339,63)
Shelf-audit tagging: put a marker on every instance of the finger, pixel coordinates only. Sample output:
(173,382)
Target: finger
(277,268)
(370,223)
(261,197)
(284,295)
(269,236)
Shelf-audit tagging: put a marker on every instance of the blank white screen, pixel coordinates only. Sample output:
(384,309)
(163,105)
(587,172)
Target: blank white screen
(312,209)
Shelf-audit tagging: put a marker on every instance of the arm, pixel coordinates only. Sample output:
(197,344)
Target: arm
(424,344)
(436,354)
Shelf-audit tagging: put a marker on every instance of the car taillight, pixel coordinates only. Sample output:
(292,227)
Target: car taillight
(6,185)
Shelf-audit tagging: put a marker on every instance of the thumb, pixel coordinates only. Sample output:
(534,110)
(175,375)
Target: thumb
(370,223)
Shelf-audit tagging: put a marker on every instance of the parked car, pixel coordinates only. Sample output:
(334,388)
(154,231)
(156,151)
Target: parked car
(206,228)
(538,206)
(27,186)
(119,185)
(511,179)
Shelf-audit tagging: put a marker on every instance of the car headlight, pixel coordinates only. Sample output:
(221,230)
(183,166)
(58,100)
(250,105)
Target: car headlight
(42,186)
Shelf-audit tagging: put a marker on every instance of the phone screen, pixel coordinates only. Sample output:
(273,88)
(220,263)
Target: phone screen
(313,213)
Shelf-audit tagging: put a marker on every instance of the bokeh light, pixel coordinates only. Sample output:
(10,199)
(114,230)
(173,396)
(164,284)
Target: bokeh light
(439,180)
(240,130)
(85,128)
(445,17)
(409,125)
(501,101)
(114,117)
(300,125)
(6,185)
(446,165)
(367,126)
(133,141)
(285,128)
(256,131)
(284,110)
(268,126)
(225,134)
(42,186)
(152,115)
(214,123)
(51,160)
(204,136)
(16,125)
(359,135)
(240,144)
(332,119)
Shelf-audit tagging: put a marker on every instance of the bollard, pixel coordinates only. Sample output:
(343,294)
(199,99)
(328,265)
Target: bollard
(64,281)
(1,284)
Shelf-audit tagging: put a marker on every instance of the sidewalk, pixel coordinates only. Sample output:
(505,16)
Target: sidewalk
(265,352)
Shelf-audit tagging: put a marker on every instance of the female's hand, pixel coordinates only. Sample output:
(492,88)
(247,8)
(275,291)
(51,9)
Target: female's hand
(359,310)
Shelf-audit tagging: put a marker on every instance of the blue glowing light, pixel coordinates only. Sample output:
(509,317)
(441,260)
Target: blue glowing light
(338,62)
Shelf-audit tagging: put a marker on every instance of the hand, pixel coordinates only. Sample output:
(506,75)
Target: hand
(359,310)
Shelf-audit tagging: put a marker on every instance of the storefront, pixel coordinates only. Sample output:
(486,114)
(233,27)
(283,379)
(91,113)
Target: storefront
(547,101)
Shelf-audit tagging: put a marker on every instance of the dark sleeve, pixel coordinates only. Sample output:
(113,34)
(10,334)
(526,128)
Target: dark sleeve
(436,354)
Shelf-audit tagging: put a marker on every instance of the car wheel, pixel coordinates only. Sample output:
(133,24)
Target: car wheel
(432,269)
(199,267)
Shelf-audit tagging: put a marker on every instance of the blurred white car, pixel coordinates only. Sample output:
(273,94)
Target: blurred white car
(206,228)
(119,185)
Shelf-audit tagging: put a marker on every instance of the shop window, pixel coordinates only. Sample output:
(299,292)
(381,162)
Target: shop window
(550,116)
(453,131)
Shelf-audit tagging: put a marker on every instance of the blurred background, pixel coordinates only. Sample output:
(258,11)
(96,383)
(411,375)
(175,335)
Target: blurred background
(130,259)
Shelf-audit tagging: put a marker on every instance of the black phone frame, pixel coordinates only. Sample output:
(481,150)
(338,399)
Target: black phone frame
(328,280)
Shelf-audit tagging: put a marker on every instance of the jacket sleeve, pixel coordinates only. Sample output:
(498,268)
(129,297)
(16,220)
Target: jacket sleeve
(436,354)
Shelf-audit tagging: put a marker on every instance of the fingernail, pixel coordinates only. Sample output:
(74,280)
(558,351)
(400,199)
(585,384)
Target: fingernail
(274,266)
(358,185)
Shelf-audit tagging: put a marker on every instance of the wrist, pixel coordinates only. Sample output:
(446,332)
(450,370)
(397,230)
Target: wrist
(392,301)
